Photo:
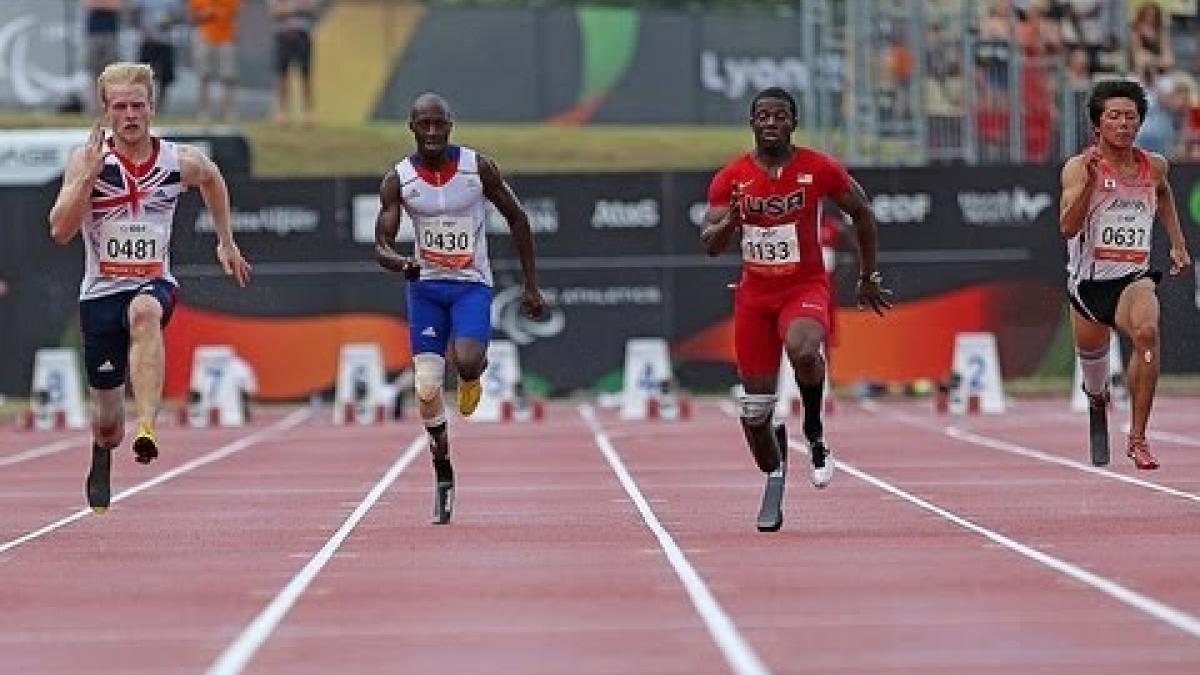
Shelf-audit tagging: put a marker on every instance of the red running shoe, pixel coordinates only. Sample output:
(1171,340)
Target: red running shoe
(1140,454)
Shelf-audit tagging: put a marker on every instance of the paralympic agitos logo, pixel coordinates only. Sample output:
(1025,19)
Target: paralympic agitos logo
(775,205)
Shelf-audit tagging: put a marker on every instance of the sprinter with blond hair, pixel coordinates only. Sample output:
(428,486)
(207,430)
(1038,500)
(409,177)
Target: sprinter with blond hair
(120,190)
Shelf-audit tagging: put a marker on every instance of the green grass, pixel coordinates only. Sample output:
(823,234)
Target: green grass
(370,149)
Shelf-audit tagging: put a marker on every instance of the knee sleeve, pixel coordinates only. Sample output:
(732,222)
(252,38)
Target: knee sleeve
(1093,368)
(756,409)
(429,374)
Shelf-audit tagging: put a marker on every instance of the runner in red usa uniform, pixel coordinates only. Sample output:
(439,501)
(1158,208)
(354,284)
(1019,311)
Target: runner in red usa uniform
(772,197)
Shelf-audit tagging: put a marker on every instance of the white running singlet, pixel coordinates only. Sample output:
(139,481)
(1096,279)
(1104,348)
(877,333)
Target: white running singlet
(127,237)
(449,218)
(1119,226)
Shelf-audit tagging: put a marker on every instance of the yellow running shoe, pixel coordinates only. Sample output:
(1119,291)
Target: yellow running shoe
(145,445)
(469,392)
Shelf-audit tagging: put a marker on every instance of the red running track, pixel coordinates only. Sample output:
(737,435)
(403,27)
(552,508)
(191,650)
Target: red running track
(587,544)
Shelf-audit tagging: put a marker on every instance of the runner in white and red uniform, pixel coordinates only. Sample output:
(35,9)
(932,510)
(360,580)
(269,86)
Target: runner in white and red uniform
(444,189)
(772,196)
(1111,195)
(121,191)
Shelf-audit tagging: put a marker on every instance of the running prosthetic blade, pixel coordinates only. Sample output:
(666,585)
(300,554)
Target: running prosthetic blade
(443,491)
(1098,429)
(98,487)
(770,514)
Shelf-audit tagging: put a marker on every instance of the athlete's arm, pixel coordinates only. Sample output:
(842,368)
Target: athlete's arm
(387,224)
(1180,258)
(499,193)
(198,170)
(853,202)
(724,215)
(1078,183)
(75,197)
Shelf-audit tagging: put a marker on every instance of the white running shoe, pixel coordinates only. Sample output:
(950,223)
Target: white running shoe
(822,463)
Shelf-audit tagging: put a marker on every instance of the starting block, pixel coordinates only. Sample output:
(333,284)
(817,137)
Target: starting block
(359,396)
(504,398)
(669,406)
(649,390)
(977,368)
(1116,379)
(220,382)
(56,398)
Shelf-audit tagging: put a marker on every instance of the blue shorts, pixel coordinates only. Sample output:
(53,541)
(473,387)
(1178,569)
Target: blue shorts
(104,322)
(438,310)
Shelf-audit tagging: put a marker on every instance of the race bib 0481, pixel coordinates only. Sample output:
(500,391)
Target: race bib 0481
(132,249)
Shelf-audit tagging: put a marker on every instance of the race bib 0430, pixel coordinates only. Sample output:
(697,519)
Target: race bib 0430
(132,249)
(446,241)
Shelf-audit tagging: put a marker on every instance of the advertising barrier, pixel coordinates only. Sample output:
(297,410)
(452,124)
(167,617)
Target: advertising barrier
(965,250)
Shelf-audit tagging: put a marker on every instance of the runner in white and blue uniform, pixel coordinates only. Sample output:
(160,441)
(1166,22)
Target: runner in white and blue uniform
(443,188)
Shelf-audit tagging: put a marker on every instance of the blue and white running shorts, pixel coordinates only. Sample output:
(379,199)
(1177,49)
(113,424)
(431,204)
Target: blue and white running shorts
(439,310)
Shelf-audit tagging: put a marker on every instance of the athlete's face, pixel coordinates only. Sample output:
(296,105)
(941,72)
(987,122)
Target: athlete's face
(431,130)
(128,111)
(1119,122)
(773,123)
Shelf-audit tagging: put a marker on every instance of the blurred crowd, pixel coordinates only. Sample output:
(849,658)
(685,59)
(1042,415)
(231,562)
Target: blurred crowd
(1041,57)
(209,29)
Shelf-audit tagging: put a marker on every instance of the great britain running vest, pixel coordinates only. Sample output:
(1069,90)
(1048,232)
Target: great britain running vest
(128,233)
(448,211)
(1119,226)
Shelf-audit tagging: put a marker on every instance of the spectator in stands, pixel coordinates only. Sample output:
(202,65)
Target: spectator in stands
(155,20)
(294,21)
(1150,52)
(1078,83)
(1088,24)
(101,24)
(1189,146)
(1111,58)
(215,53)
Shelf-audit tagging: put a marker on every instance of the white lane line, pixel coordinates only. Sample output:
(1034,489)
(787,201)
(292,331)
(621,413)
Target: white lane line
(1182,620)
(40,451)
(1023,451)
(216,455)
(738,653)
(238,654)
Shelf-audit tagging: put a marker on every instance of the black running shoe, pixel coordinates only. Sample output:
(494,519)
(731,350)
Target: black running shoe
(443,490)
(98,487)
